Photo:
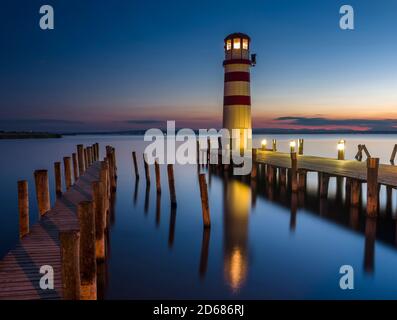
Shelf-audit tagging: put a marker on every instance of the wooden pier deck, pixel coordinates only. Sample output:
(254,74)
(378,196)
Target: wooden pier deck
(340,168)
(20,268)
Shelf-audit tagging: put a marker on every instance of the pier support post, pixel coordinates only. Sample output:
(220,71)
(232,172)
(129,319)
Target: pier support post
(157,171)
(171,183)
(23,208)
(80,154)
(274,145)
(69,247)
(86,165)
(58,179)
(75,167)
(67,171)
(324,183)
(300,146)
(104,177)
(270,174)
(283,176)
(135,165)
(42,191)
(372,186)
(355,192)
(254,170)
(147,172)
(294,169)
(98,198)
(302,180)
(204,201)
(86,216)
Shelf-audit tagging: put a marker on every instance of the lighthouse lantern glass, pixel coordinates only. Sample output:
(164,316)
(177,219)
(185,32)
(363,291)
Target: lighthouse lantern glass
(245,44)
(228,44)
(236,43)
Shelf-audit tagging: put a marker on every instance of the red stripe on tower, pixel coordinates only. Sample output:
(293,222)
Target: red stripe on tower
(237,76)
(236,100)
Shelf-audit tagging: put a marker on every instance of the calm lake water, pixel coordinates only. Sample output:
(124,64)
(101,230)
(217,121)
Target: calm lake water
(264,243)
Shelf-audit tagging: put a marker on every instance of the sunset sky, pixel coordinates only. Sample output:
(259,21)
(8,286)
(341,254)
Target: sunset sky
(134,64)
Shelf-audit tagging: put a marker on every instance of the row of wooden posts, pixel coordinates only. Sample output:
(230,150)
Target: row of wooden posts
(171,185)
(80,249)
(297,179)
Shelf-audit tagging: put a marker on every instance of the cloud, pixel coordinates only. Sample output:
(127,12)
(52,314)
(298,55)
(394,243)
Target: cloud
(354,124)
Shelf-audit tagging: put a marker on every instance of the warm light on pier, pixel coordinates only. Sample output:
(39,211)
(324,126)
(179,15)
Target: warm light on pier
(264,144)
(341,149)
(292,145)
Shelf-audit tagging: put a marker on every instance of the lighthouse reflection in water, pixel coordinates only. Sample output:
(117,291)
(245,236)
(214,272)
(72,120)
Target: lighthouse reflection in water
(237,206)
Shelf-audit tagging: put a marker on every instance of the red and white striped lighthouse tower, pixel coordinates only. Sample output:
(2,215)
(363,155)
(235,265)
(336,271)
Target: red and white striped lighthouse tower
(237,97)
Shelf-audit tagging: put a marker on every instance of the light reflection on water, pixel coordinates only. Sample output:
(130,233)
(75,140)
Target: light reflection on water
(264,241)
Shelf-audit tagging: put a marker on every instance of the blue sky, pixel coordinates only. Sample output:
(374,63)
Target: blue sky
(117,65)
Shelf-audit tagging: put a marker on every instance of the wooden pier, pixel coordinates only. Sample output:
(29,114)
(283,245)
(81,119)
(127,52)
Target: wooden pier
(46,243)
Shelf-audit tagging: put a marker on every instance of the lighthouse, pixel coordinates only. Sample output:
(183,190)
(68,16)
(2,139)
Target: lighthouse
(237,96)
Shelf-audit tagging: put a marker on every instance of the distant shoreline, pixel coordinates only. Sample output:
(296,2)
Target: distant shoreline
(29,135)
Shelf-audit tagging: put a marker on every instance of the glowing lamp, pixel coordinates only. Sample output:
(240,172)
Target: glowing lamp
(264,144)
(292,145)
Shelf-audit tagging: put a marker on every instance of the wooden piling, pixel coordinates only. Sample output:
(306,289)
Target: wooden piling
(283,176)
(69,247)
(171,184)
(87,250)
(80,154)
(300,146)
(294,169)
(372,186)
(157,171)
(58,179)
(135,165)
(86,164)
(355,192)
(42,191)
(274,145)
(393,154)
(204,201)
(104,177)
(98,198)
(302,180)
(198,151)
(147,172)
(23,208)
(75,167)
(67,172)
(324,183)
(270,174)
(254,170)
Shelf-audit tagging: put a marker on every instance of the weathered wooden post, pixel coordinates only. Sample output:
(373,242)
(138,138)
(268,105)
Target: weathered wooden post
(86,164)
(204,201)
(68,172)
(208,150)
(302,180)
(283,176)
(58,179)
(98,198)
(254,169)
(89,156)
(147,172)
(372,186)
(135,165)
(355,192)
(393,154)
(274,145)
(324,183)
(75,167)
(157,171)
(23,208)
(87,250)
(104,177)
(341,150)
(300,146)
(198,151)
(42,191)
(171,184)
(270,174)
(70,255)
(294,169)
(80,154)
